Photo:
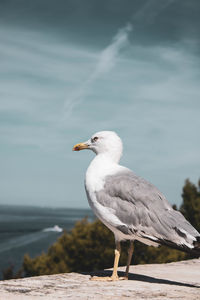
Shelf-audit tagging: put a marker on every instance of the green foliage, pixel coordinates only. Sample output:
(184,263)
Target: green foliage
(191,203)
(144,254)
(9,273)
(90,246)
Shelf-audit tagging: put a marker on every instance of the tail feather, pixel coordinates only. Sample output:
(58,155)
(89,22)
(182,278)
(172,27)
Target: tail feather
(195,251)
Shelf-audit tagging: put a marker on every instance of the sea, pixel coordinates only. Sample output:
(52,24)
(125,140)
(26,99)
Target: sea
(32,230)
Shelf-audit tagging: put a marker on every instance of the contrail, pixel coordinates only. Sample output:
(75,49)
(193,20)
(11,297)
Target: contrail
(106,62)
(109,55)
(150,10)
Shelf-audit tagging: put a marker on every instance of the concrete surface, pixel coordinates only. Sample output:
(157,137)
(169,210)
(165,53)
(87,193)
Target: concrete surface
(180,280)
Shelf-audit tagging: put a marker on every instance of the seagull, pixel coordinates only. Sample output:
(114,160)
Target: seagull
(131,207)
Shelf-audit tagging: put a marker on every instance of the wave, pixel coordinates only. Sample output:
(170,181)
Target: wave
(55,228)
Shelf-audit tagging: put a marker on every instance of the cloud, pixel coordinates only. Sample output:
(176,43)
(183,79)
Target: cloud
(36,73)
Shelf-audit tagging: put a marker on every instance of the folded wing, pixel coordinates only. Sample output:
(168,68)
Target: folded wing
(138,209)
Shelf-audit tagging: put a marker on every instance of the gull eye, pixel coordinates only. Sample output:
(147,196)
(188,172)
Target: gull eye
(95,139)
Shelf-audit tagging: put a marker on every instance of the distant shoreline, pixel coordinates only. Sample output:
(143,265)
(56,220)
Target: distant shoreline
(24,230)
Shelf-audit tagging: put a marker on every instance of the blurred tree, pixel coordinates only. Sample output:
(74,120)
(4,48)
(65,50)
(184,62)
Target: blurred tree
(190,207)
(9,273)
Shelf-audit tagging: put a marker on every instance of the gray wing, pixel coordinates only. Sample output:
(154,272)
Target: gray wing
(144,212)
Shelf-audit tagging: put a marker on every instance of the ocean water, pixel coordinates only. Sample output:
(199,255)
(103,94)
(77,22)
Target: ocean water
(32,230)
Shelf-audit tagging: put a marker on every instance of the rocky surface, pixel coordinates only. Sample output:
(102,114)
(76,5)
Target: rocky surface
(179,280)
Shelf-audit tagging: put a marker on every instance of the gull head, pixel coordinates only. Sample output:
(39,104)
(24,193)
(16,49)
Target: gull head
(104,142)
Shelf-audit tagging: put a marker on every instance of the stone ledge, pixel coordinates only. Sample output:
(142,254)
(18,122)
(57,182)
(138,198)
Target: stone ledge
(180,280)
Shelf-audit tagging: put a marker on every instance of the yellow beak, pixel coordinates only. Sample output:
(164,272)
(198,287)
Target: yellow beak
(80,146)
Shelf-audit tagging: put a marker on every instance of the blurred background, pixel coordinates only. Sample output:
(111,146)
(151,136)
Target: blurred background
(70,68)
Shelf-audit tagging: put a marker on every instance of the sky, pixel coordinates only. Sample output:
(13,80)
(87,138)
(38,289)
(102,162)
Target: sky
(70,68)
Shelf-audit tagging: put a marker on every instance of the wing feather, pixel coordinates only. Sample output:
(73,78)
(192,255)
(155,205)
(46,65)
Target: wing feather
(143,211)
